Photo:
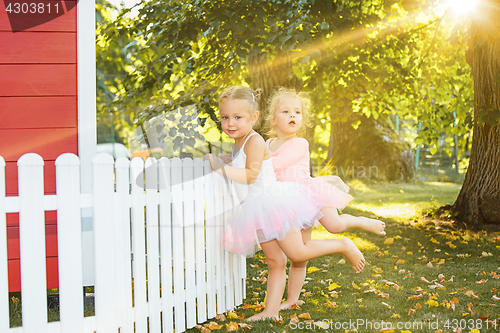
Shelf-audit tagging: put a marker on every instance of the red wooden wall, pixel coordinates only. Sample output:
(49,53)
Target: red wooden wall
(38,114)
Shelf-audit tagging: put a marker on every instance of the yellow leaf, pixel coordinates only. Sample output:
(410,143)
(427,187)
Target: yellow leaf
(409,253)
(354,285)
(432,303)
(243,325)
(333,286)
(312,269)
(232,315)
(434,241)
(475,330)
(220,317)
(213,326)
(330,304)
(395,315)
(389,241)
(400,261)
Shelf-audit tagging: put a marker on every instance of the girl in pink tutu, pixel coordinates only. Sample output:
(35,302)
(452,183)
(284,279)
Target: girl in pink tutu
(271,213)
(288,111)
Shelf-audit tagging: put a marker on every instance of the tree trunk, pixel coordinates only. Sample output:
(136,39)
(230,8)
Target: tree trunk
(479,200)
(267,77)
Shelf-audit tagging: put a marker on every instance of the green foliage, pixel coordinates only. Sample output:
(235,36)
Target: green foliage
(372,57)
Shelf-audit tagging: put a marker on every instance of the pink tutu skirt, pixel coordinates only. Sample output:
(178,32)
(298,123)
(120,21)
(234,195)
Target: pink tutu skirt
(332,189)
(272,212)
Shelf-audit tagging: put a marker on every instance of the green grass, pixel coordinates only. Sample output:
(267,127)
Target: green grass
(391,284)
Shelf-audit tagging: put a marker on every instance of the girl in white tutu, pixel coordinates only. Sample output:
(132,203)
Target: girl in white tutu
(271,213)
(288,111)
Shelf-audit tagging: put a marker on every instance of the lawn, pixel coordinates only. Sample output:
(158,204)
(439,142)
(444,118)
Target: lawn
(420,277)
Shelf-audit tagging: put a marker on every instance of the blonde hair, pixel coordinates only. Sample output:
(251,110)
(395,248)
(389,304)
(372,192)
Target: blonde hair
(305,103)
(245,93)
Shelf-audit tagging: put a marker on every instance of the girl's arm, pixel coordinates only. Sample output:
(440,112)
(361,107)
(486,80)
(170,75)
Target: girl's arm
(293,153)
(254,149)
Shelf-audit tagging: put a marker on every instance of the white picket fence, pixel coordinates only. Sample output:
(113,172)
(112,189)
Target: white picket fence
(159,261)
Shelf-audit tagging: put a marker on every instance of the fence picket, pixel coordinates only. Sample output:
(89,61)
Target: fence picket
(69,243)
(4,276)
(199,218)
(189,241)
(219,250)
(138,244)
(123,246)
(177,245)
(152,234)
(104,244)
(166,245)
(209,192)
(32,243)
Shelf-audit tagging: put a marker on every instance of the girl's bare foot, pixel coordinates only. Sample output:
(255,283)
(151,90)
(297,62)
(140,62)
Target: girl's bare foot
(375,226)
(353,255)
(264,316)
(286,305)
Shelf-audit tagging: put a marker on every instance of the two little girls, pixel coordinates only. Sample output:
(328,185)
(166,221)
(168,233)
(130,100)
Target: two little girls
(272,213)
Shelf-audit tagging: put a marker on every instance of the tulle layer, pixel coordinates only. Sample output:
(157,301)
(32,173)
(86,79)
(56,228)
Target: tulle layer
(332,189)
(277,209)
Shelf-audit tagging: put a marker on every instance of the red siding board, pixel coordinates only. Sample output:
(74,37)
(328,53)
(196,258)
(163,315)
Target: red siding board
(47,142)
(38,112)
(37,80)
(66,22)
(13,240)
(15,273)
(37,48)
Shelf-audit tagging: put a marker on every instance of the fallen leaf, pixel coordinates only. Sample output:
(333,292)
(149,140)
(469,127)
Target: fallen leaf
(400,261)
(389,241)
(321,324)
(220,317)
(232,315)
(333,286)
(232,327)
(495,298)
(213,326)
(424,280)
(244,325)
(395,315)
(412,311)
(294,319)
(330,304)
(415,296)
(341,261)
(305,315)
(418,306)
(354,285)
(295,306)
(434,241)
(312,269)
(482,281)
(387,305)
(432,302)
(471,293)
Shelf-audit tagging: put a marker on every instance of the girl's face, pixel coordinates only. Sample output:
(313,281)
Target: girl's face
(236,119)
(288,116)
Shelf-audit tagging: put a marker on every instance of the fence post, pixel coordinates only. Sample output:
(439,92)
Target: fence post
(104,244)
(32,243)
(211,224)
(69,243)
(4,276)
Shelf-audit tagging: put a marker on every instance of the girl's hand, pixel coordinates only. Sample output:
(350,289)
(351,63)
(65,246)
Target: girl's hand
(215,163)
(225,158)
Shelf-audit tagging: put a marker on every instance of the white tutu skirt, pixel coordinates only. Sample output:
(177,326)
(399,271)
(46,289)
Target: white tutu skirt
(270,213)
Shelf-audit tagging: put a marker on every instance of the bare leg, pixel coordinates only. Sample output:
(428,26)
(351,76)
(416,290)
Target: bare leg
(335,223)
(297,251)
(276,281)
(296,277)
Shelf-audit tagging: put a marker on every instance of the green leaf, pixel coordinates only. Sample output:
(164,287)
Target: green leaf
(433,150)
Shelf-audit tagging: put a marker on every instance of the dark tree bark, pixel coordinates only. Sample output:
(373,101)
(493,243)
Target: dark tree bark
(479,200)
(268,77)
